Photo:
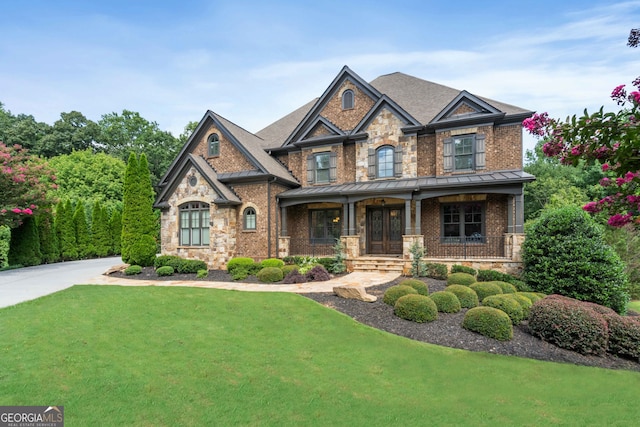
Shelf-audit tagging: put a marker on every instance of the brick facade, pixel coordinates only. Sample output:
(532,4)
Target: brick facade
(347,119)
(230,158)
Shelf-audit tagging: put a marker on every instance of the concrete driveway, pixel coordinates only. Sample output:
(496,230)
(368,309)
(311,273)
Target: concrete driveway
(24,284)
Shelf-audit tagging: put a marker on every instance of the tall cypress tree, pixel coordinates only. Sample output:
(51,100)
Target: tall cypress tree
(24,248)
(58,226)
(48,238)
(68,248)
(100,230)
(115,229)
(83,238)
(130,198)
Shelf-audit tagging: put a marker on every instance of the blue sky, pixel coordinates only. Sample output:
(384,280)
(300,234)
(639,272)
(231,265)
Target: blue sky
(254,61)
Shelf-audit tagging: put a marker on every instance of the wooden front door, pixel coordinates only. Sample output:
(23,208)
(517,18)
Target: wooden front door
(384,229)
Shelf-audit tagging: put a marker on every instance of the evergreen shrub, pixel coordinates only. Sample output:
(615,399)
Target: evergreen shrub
(166,270)
(318,274)
(191,266)
(507,288)
(447,302)
(170,260)
(239,262)
(457,268)
(5,237)
(392,294)
(271,262)
(421,287)
(24,246)
(416,307)
(239,273)
(467,296)
(201,274)
(485,289)
(288,268)
(460,279)
(490,322)
(436,271)
(270,275)
(143,251)
(624,336)
(133,269)
(525,303)
(533,296)
(507,304)
(493,276)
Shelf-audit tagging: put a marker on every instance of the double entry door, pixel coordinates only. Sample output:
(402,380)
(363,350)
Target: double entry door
(385,225)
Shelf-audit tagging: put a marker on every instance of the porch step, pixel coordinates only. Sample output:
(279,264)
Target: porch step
(371,264)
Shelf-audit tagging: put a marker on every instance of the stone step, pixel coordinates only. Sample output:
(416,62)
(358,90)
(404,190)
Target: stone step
(378,265)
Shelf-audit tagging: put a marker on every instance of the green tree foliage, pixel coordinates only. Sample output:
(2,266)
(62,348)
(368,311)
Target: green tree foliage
(138,218)
(565,253)
(115,229)
(626,242)
(5,238)
(83,175)
(67,231)
(128,132)
(25,244)
(72,132)
(48,237)
(100,232)
(22,129)
(188,131)
(83,236)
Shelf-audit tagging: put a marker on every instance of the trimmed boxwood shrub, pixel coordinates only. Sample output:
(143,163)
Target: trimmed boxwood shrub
(133,269)
(447,302)
(191,266)
(460,279)
(565,253)
(490,322)
(416,307)
(318,274)
(239,262)
(272,262)
(327,263)
(294,276)
(416,284)
(457,268)
(486,289)
(467,296)
(569,324)
(286,269)
(201,274)
(524,302)
(624,336)
(507,288)
(270,275)
(436,271)
(170,260)
(165,270)
(533,296)
(239,273)
(392,294)
(507,304)
(493,275)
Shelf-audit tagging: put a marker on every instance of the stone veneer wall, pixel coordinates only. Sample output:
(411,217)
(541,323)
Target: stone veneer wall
(222,234)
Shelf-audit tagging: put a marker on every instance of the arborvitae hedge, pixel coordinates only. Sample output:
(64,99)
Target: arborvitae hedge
(24,248)
(115,231)
(100,230)
(83,238)
(67,233)
(48,237)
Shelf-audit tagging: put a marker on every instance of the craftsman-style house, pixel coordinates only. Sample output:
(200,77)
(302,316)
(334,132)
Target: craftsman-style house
(379,165)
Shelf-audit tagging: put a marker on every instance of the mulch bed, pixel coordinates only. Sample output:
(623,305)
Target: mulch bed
(445,331)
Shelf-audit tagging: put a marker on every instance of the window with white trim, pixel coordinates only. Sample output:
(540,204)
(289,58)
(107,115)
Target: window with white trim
(249,219)
(194,224)
(464,153)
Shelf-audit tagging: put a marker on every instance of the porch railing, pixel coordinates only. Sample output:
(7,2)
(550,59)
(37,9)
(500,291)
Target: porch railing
(472,247)
(306,247)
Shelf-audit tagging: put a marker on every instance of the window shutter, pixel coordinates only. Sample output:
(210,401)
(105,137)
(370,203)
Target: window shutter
(397,160)
(480,157)
(448,154)
(372,163)
(333,166)
(310,169)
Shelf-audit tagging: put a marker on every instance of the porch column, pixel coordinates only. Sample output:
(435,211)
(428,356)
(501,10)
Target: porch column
(352,219)
(345,215)
(519,219)
(283,216)
(510,213)
(407,217)
(418,227)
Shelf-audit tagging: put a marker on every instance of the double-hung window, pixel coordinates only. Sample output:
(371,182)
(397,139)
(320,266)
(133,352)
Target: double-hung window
(464,153)
(213,144)
(194,224)
(325,225)
(463,222)
(249,219)
(385,162)
(321,167)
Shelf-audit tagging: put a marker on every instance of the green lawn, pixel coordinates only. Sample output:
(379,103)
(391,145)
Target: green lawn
(155,356)
(635,305)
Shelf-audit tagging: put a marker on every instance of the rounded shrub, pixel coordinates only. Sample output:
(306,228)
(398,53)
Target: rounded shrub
(507,288)
(272,262)
(143,251)
(392,294)
(467,296)
(191,266)
(486,289)
(318,274)
(294,276)
(170,260)
(436,271)
(201,274)
(270,275)
(533,297)
(565,253)
(447,302)
(416,307)
(490,322)
(239,262)
(239,273)
(420,286)
(624,336)
(465,279)
(507,304)
(286,269)
(524,302)
(133,269)
(568,324)
(165,270)
(457,268)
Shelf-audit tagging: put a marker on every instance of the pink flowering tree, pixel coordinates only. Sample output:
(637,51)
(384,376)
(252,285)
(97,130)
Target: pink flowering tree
(25,181)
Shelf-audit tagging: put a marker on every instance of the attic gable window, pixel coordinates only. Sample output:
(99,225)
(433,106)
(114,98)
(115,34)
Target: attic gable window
(213,143)
(464,153)
(347,99)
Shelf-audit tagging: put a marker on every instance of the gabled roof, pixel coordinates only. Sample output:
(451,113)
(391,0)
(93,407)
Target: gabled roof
(384,102)
(224,194)
(247,143)
(324,122)
(274,134)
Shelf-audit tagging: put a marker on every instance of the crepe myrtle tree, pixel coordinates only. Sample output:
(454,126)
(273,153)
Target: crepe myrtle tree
(610,138)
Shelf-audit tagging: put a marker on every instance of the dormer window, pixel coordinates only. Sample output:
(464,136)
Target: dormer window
(347,99)
(213,143)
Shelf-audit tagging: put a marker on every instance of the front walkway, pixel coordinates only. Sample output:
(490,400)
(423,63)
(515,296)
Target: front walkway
(355,279)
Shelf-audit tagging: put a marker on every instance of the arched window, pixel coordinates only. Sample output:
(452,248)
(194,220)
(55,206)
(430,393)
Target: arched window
(214,145)
(384,162)
(347,99)
(194,224)
(249,219)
